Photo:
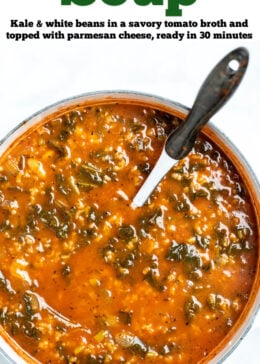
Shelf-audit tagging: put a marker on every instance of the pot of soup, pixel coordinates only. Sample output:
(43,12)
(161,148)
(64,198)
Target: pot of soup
(87,278)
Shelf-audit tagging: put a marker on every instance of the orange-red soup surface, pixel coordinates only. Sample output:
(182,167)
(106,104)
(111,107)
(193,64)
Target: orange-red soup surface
(86,278)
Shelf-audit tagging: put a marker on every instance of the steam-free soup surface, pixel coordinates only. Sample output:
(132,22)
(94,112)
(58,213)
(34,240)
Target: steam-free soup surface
(86,278)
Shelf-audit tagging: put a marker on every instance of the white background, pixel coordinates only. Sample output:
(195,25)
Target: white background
(36,73)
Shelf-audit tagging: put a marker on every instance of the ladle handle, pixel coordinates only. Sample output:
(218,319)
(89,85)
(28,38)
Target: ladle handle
(218,87)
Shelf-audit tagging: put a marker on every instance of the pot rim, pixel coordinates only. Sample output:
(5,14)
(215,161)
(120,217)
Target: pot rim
(222,352)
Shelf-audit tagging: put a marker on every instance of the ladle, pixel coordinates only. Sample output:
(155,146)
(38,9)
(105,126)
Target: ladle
(218,87)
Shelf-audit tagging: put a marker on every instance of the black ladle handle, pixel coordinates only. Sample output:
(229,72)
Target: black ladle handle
(218,87)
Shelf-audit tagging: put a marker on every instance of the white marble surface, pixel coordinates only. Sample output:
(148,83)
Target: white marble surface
(38,73)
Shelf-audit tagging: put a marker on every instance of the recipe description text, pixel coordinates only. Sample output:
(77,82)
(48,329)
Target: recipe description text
(79,29)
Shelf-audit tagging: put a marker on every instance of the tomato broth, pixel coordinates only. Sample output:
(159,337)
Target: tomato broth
(86,278)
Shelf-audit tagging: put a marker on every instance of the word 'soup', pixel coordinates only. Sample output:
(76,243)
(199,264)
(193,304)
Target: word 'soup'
(173,6)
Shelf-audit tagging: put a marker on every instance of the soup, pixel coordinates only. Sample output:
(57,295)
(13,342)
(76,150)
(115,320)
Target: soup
(86,278)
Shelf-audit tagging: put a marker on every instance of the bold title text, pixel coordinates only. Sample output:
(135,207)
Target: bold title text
(174,7)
